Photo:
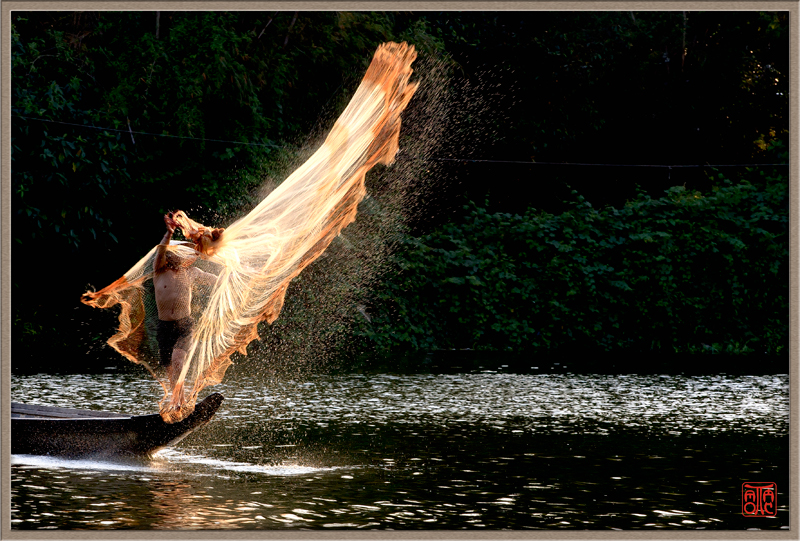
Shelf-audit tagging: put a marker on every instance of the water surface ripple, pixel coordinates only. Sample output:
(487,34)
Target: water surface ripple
(431,451)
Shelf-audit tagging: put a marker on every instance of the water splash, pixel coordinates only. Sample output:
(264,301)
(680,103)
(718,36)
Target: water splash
(252,261)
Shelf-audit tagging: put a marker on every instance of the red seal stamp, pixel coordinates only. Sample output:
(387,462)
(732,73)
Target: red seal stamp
(759,499)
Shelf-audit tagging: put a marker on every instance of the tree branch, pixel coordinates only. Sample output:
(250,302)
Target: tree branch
(266,25)
(289,31)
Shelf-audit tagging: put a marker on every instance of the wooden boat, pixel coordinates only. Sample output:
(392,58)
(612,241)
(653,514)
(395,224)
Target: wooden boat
(47,430)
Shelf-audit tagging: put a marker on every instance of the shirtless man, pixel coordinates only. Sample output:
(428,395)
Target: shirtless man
(172,279)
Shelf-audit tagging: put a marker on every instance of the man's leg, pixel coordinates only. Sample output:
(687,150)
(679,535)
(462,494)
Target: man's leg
(174,372)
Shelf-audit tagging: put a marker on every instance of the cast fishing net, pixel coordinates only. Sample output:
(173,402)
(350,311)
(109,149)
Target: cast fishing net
(254,259)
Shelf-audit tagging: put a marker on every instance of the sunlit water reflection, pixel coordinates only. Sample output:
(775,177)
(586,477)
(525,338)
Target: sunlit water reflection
(482,450)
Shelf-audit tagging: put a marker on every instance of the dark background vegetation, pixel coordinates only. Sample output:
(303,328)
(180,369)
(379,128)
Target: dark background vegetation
(118,117)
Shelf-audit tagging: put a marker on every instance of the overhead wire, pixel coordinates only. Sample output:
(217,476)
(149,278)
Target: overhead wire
(467,160)
(87,126)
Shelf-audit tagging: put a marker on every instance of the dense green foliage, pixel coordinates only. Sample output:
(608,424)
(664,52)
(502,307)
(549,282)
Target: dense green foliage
(118,117)
(195,103)
(686,272)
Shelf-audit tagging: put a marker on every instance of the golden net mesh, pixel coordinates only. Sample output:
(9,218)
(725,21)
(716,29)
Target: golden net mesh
(247,267)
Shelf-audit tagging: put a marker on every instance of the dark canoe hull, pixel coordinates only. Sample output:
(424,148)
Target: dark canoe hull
(36,432)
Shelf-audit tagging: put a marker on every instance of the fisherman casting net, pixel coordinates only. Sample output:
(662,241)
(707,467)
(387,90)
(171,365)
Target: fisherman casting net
(231,279)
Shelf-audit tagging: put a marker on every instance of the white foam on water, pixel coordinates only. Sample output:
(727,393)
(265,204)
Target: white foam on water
(86,463)
(282,470)
(168,460)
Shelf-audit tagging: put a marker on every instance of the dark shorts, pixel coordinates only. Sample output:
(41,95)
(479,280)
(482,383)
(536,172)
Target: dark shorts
(169,334)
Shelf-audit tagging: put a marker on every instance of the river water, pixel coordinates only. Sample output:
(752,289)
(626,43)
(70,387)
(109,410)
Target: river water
(482,450)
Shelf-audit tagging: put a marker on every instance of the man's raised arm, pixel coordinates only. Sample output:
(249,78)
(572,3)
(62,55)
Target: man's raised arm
(161,253)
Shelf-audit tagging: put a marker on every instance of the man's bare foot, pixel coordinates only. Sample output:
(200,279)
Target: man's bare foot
(178,397)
